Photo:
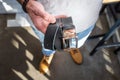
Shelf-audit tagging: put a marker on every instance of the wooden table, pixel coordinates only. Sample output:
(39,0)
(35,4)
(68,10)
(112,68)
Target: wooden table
(110,1)
(4,16)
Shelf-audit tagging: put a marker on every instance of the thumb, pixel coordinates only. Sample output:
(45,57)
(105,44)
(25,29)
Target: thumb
(40,11)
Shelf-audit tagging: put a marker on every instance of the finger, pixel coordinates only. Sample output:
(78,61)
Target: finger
(50,18)
(46,16)
(40,11)
(60,16)
(39,22)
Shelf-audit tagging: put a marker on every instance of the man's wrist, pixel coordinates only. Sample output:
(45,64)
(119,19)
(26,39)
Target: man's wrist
(24,5)
(21,1)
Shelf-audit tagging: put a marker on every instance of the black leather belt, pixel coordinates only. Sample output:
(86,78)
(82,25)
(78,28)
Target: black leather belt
(57,35)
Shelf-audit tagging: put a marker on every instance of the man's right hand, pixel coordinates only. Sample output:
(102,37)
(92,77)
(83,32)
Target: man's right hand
(40,18)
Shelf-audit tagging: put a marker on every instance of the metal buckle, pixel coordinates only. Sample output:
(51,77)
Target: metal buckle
(68,38)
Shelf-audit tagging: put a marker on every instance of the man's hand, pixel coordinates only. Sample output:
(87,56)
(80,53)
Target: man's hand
(41,19)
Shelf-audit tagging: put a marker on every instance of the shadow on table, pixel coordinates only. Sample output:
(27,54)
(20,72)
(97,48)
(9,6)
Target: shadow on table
(18,49)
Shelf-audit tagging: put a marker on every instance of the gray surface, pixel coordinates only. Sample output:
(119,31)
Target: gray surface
(20,54)
(10,6)
(14,8)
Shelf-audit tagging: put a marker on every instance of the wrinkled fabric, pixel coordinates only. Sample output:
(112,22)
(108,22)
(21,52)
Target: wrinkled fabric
(83,12)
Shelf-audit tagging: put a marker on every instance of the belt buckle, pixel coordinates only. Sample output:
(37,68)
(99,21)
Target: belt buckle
(67,39)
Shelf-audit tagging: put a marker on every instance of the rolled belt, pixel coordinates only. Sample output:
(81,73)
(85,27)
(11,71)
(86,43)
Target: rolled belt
(58,37)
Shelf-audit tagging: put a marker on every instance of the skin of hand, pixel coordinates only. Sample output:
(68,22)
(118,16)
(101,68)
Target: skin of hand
(40,18)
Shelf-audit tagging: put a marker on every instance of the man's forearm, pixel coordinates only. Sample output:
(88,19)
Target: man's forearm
(21,1)
(24,4)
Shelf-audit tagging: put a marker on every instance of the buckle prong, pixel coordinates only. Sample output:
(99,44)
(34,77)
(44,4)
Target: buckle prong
(67,39)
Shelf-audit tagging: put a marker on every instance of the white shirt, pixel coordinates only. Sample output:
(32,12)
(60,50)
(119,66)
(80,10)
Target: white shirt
(83,12)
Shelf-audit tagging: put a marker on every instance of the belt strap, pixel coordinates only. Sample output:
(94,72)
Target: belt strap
(54,34)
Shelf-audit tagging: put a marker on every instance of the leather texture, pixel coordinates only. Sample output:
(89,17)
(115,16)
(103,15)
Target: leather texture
(54,33)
